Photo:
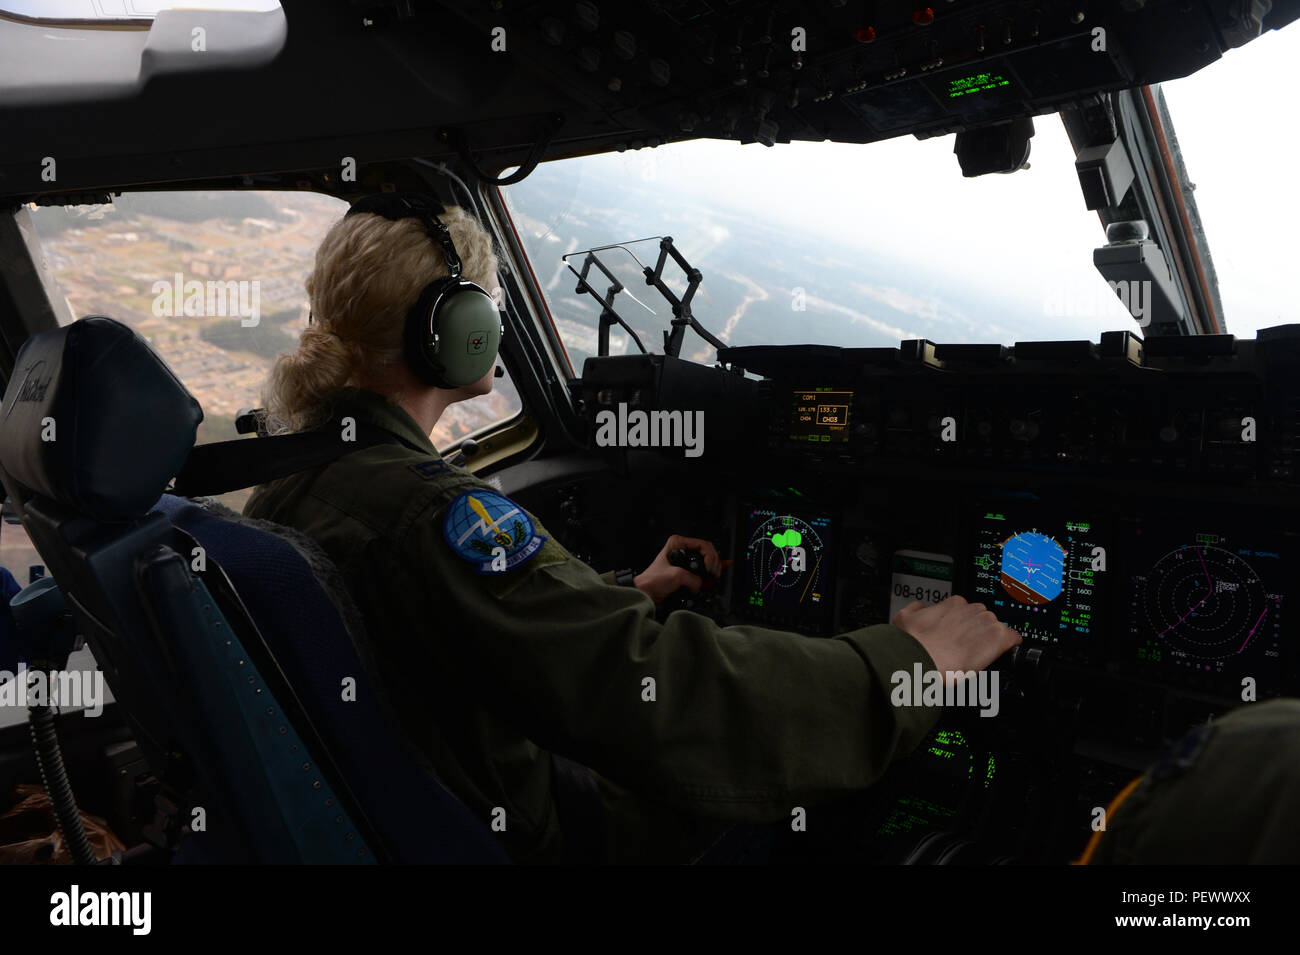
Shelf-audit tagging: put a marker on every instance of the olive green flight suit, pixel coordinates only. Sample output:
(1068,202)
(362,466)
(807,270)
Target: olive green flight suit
(1223,794)
(490,671)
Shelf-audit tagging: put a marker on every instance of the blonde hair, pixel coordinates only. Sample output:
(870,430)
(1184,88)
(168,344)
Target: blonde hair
(369,271)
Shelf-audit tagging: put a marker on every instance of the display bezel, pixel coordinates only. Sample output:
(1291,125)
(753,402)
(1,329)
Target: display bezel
(1070,644)
(823,619)
(1149,542)
(814,432)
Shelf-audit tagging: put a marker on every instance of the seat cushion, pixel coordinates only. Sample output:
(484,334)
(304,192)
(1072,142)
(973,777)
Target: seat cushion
(296,597)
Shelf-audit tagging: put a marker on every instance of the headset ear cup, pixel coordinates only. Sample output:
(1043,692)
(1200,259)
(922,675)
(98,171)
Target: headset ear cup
(469,328)
(418,346)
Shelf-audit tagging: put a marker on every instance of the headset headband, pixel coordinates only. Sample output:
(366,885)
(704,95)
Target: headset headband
(395,206)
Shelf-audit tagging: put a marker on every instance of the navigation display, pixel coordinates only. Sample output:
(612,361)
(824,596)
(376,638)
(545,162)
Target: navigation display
(788,575)
(820,415)
(1208,603)
(1041,576)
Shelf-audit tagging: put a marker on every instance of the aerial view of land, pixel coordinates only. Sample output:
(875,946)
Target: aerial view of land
(109,259)
(763,282)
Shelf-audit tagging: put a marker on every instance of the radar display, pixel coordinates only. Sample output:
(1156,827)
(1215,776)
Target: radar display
(787,568)
(1210,605)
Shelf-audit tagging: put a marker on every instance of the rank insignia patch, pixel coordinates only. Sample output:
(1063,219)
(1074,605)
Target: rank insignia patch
(431,468)
(490,531)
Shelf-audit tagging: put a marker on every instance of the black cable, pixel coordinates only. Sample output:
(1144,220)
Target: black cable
(460,142)
(49,758)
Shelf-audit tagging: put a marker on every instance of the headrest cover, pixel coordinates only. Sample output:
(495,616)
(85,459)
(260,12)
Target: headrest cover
(94,420)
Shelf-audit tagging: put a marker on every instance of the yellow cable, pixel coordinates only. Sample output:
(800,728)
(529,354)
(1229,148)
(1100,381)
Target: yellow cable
(1110,814)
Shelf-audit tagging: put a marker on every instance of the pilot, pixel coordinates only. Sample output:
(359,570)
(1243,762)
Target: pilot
(499,648)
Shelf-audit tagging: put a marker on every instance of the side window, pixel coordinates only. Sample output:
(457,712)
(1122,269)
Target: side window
(466,417)
(214,282)
(20,558)
(17,553)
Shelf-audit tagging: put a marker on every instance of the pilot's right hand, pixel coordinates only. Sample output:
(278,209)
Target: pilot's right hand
(662,578)
(959,636)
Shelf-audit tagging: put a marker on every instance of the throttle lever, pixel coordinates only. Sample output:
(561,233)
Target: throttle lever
(693,561)
(1025,667)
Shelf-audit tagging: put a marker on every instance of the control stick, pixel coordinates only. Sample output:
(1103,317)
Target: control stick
(693,561)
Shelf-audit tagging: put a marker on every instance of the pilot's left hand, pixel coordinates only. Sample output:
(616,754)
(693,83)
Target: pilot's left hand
(662,579)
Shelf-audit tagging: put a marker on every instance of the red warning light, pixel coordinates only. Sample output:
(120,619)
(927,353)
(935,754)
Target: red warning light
(865,35)
(923,17)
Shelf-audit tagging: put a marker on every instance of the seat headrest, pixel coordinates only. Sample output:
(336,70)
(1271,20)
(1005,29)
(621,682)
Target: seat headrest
(94,420)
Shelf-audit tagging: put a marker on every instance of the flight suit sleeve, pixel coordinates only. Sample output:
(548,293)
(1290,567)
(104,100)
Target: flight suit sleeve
(738,722)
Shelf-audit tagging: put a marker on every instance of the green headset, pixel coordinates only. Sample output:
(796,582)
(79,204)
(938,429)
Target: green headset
(453,332)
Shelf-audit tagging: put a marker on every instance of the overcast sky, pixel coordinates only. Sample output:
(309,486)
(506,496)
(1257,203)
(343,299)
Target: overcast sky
(1028,235)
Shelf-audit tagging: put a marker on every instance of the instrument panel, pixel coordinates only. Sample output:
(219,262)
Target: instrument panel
(1192,606)
(1130,508)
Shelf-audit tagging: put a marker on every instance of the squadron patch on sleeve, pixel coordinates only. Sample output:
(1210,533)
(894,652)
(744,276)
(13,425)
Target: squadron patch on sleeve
(490,531)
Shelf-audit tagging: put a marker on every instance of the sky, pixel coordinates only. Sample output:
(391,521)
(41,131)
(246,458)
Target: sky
(1240,142)
(1028,235)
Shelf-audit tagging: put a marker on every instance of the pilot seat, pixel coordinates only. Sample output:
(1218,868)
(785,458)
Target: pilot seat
(229,644)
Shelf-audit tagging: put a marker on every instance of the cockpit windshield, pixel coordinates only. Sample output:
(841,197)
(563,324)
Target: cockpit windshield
(866,245)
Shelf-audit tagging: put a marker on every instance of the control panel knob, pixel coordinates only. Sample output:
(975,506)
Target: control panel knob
(624,45)
(587,14)
(553,31)
(661,73)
